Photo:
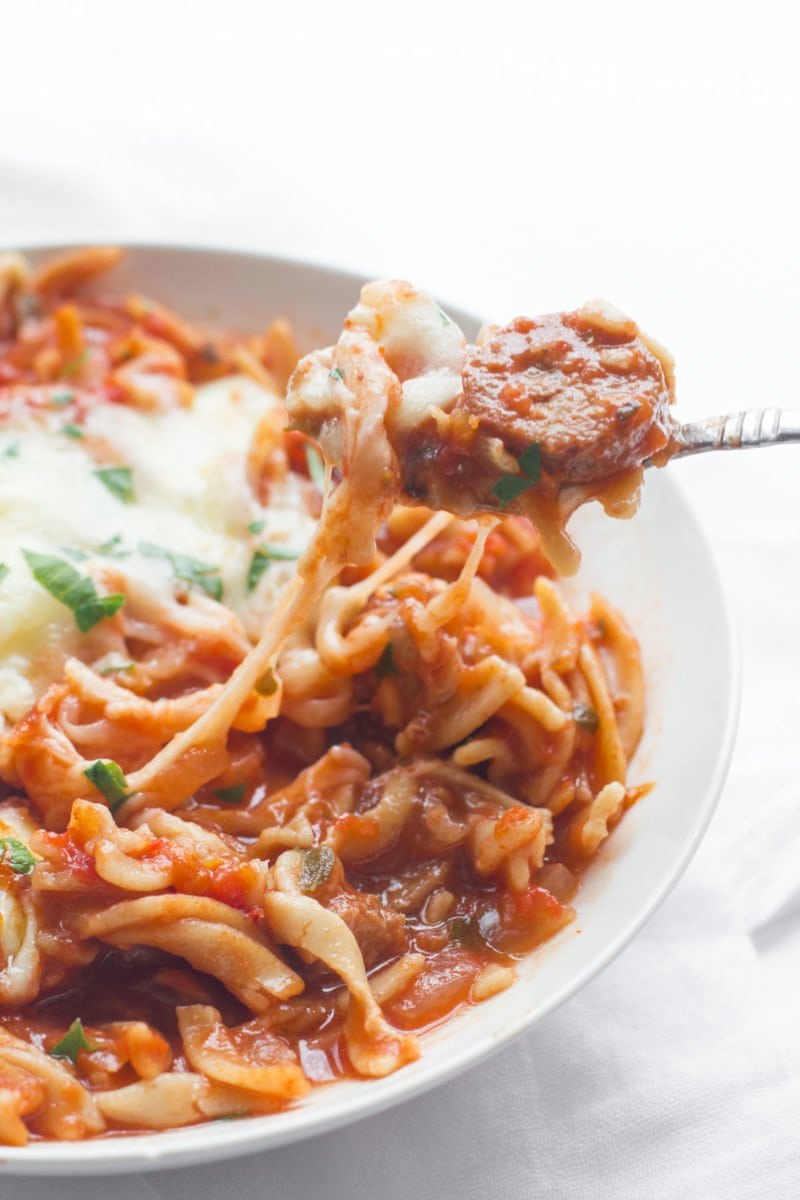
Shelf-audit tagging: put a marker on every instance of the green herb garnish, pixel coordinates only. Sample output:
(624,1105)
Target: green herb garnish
(73,431)
(119,482)
(258,565)
(336,375)
(386,664)
(4,569)
(74,364)
(267,685)
(107,776)
(530,462)
(509,487)
(111,548)
(73,1041)
(61,399)
(261,559)
(75,553)
(231,795)
(256,526)
(11,450)
(318,866)
(316,467)
(465,932)
(77,592)
(586,718)
(189,570)
(16,855)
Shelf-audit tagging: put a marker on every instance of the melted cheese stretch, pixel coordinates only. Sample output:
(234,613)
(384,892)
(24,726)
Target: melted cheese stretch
(189,472)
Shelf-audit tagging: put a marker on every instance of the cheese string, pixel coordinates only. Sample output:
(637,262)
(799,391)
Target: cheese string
(296,599)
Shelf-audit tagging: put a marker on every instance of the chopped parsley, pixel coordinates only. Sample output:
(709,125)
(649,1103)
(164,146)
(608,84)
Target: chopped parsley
(16,855)
(586,718)
(61,399)
(74,365)
(4,569)
(316,467)
(76,592)
(75,553)
(317,869)
(465,932)
(189,570)
(267,685)
(73,431)
(112,548)
(11,450)
(256,526)
(530,462)
(107,776)
(386,664)
(119,482)
(231,795)
(336,375)
(73,1041)
(261,559)
(509,487)
(258,565)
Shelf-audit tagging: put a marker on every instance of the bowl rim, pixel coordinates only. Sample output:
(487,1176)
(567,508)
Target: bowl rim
(160,1150)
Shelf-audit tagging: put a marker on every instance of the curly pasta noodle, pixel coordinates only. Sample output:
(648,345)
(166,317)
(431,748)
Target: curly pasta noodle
(244,855)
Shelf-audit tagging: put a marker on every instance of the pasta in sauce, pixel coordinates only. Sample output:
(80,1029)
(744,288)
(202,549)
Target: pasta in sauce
(544,414)
(267,819)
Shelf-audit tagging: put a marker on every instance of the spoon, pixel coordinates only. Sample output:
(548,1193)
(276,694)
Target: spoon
(737,431)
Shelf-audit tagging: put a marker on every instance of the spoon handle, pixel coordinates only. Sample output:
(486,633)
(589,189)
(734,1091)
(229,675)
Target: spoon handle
(738,431)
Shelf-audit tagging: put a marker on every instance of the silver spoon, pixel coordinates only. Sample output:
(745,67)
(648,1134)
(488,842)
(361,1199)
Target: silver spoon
(737,431)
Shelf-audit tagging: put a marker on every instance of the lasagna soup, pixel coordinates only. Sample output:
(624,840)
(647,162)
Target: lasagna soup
(295,762)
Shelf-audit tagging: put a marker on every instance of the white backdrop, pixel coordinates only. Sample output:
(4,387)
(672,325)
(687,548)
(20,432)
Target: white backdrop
(511,157)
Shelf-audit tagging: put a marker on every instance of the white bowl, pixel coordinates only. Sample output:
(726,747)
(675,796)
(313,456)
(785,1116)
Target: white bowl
(658,569)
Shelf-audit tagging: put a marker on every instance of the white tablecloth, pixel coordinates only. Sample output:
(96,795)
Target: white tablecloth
(510,159)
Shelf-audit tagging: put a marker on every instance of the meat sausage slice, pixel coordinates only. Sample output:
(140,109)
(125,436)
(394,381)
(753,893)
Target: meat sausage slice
(584,386)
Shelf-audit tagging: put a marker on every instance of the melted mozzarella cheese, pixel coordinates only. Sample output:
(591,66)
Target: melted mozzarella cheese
(189,473)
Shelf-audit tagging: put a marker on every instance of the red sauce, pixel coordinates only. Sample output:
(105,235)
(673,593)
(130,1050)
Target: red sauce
(592,395)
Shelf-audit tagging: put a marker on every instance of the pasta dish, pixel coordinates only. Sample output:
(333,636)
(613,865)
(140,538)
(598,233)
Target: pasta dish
(301,746)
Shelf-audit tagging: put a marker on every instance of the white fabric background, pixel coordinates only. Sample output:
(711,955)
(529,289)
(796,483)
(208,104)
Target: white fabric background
(515,157)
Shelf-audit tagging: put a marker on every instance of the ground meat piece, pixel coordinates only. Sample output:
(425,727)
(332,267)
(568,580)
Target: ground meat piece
(379,931)
(585,386)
